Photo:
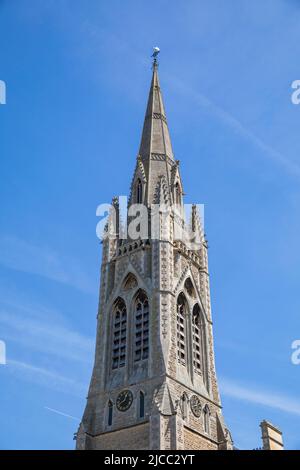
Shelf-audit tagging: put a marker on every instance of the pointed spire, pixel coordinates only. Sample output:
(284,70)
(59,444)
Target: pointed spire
(155,135)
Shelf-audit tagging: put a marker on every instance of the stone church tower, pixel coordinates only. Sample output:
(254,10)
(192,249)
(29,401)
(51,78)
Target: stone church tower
(154,382)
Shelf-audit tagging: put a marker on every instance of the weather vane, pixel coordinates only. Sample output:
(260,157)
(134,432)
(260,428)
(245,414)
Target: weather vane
(156,51)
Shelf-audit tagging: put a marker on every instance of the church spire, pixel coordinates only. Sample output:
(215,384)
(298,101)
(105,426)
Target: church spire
(154,364)
(155,136)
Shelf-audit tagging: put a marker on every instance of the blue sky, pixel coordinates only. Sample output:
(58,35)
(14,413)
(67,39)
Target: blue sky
(77,76)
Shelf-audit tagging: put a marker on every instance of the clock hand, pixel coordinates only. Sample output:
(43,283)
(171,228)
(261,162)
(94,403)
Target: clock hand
(122,401)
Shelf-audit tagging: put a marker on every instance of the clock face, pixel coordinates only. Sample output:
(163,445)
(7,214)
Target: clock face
(195,405)
(124,400)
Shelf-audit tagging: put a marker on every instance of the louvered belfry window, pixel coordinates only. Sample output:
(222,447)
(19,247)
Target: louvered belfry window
(199,342)
(181,329)
(119,335)
(141,347)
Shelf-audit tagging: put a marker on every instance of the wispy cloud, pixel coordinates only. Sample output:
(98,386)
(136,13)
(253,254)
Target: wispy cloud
(270,399)
(120,46)
(63,356)
(47,337)
(44,261)
(291,167)
(45,377)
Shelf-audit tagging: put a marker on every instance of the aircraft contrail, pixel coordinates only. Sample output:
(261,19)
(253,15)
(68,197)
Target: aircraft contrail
(61,413)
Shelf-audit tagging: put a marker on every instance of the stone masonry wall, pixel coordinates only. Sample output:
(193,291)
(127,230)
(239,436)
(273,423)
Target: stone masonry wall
(133,438)
(193,441)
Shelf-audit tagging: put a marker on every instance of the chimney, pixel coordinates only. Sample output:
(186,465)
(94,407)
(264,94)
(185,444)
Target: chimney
(271,436)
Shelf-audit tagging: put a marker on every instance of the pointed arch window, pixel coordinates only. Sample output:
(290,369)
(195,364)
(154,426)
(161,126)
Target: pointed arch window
(141,315)
(139,192)
(119,334)
(184,405)
(181,329)
(177,194)
(199,342)
(110,413)
(206,419)
(142,405)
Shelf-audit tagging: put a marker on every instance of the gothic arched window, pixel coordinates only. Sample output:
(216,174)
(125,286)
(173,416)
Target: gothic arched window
(141,316)
(206,418)
(119,334)
(142,405)
(181,329)
(199,342)
(139,192)
(110,413)
(184,406)
(177,194)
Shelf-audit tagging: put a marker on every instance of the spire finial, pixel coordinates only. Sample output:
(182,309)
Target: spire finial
(156,51)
